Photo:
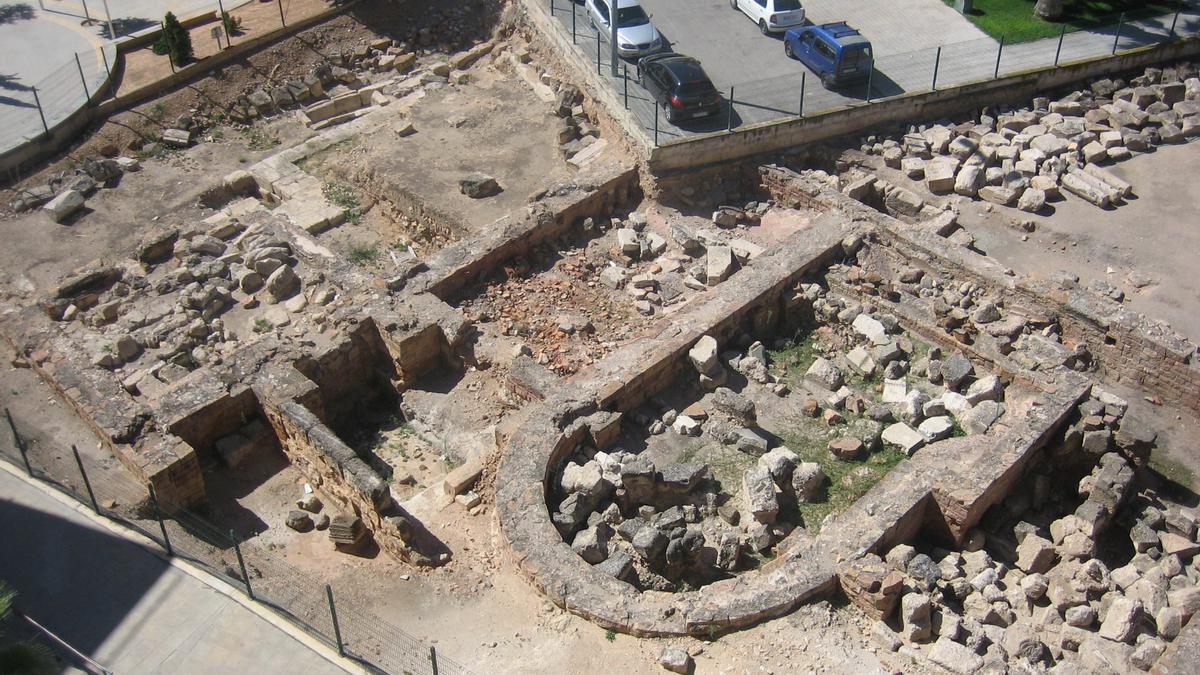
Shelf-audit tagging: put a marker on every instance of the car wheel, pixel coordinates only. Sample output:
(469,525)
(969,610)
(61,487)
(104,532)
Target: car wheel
(787,49)
(670,113)
(733,4)
(762,26)
(828,81)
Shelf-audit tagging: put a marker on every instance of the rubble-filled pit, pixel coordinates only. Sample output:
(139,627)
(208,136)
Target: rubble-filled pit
(710,473)
(1088,563)
(572,300)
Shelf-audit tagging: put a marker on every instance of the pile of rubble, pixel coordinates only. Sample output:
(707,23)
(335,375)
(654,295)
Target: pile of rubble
(171,301)
(66,192)
(1048,581)
(1025,157)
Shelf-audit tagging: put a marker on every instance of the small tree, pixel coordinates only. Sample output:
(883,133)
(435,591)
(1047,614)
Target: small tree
(174,41)
(233,24)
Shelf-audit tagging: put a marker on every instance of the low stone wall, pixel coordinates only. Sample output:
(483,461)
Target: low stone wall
(460,264)
(766,137)
(1122,342)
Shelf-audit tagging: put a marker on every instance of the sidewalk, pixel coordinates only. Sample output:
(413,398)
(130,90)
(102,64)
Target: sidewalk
(124,606)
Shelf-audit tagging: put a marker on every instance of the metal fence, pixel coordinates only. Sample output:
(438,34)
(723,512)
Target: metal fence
(921,71)
(318,608)
(30,109)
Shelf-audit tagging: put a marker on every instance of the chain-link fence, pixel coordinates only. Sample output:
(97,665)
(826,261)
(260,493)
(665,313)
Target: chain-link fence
(320,609)
(30,109)
(803,95)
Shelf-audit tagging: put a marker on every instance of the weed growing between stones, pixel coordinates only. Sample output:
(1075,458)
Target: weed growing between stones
(848,479)
(340,194)
(362,254)
(258,139)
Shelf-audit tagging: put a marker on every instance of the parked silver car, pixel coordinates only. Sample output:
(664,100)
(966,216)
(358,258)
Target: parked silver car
(635,35)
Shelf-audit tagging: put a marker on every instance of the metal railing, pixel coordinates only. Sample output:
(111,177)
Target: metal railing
(315,606)
(921,71)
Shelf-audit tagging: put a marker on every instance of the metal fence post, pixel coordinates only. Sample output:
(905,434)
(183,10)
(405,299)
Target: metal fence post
(937,63)
(803,82)
(86,95)
(573,40)
(999,53)
(1173,22)
(551,7)
(337,630)
(1058,52)
(86,483)
(656,125)
(104,58)
(86,14)
(433,659)
(281,19)
(19,442)
(870,80)
(112,34)
(41,113)
(599,71)
(1120,25)
(170,57)
(161,525)
(729,117)
(625,74)
(242,564)
(221,7)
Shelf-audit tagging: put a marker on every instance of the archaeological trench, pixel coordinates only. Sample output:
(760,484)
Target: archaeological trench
(723,425)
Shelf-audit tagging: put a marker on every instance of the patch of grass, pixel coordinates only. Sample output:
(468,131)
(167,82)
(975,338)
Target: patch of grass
(610,635)
(399,246)
(848,479)
(262,326)
(793,361)
(216,133)
(258,138)
(1015,21)
(1173,470)
(158,151)
(725,463)
(361,253)
(346,197)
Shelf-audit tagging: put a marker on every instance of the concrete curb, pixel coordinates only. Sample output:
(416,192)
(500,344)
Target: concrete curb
(216,583)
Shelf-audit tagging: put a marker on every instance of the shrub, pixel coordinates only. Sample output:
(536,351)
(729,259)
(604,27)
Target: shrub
(174,41)
(232,24)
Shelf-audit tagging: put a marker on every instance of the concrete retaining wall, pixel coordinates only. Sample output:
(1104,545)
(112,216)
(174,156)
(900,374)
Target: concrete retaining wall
(766,137)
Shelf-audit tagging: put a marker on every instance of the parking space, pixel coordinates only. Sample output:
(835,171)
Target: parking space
(914,41)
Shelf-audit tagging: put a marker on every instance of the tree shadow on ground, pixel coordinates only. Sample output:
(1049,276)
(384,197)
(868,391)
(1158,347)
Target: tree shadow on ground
(14,12)
(125,26)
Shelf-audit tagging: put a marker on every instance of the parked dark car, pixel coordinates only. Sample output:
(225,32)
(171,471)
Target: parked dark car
(836,52)
(679,84)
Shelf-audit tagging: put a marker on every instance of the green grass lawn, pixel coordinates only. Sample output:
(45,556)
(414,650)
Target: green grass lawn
(1015,21)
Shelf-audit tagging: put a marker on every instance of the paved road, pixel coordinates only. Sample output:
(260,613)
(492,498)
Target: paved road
(905,34)
(124,606)
(38,46)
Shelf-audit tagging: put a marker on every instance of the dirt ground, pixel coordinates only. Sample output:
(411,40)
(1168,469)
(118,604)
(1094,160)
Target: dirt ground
(1152,234)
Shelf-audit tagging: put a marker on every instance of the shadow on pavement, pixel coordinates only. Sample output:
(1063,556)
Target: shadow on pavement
(17,11)
(125,26)
(79,582)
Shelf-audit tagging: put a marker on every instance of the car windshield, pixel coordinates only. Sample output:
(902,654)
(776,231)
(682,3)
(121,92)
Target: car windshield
(854,55)
(696,88)
(631,16)
(787,5)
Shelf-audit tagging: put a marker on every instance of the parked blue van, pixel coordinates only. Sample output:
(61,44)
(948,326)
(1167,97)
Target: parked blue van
(837,53)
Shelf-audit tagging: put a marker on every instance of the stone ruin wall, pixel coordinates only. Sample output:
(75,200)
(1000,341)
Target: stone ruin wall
(462,263)
(1121,342)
